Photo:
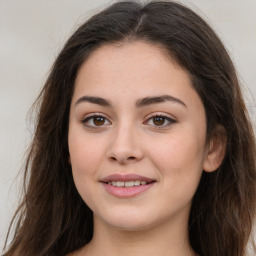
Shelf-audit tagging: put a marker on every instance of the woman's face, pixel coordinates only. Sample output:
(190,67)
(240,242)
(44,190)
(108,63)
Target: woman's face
(134,119)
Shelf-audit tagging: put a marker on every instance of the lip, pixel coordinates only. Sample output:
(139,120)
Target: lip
(126,177)
(126,192)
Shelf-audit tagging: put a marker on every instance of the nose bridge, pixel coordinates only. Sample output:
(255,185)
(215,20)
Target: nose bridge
(124,144)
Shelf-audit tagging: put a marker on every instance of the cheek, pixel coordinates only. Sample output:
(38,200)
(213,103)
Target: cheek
(85,155)
(180,158)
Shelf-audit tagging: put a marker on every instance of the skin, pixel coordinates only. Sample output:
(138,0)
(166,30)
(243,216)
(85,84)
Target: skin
(128,140)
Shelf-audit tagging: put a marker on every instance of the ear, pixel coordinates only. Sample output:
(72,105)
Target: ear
(216,150)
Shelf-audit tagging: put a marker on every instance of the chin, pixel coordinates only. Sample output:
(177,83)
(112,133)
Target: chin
(129,221)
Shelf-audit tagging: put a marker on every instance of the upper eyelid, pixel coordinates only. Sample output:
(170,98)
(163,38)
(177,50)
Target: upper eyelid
(153,114)
(168,117)
(93,114)
(161,114)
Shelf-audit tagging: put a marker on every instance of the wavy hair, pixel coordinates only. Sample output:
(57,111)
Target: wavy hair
(52,219)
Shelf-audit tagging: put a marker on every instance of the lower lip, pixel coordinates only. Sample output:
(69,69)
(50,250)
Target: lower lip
(126,192)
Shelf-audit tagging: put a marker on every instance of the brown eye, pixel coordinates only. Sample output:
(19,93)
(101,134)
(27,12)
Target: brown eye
(98,121)
(160,121)
(95,121)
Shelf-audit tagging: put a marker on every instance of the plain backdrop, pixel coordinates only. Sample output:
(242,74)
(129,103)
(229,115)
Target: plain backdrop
(32,32)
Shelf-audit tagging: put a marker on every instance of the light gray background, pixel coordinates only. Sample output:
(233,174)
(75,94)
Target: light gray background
(32,33)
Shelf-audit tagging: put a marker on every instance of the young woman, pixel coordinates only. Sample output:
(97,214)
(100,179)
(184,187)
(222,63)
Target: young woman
(143,144)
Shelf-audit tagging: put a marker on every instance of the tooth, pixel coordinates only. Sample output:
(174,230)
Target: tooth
(136,183)
(129,183)
(120,183)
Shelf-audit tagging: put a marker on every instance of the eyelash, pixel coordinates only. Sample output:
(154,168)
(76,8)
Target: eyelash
(94,115)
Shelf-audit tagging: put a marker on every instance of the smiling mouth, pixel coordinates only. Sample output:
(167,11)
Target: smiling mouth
(128,183)
(126,186)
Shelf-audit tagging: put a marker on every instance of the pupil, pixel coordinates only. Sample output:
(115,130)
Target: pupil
(159,120)
(98,121)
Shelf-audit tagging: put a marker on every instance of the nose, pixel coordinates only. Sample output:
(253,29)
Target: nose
(125,146)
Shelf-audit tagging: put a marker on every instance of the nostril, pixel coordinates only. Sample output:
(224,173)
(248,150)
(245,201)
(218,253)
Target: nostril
(121,159)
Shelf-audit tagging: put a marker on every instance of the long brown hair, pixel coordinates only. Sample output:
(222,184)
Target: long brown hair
(52,219)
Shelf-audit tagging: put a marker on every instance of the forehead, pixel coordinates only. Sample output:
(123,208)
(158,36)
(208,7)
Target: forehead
(130,60)
(137,49)
(132,70)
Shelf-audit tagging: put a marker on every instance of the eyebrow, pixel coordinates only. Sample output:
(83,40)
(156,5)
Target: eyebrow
(139,103)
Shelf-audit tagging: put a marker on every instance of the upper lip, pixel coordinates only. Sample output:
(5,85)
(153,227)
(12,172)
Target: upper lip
(126,177)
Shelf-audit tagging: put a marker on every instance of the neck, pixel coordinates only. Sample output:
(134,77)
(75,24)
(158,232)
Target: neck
(168,239)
